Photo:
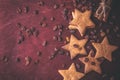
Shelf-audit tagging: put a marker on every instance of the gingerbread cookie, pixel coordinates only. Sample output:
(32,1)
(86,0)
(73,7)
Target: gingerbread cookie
(81,21)
(71,73)
(104,49)
(76,46)
(91,63)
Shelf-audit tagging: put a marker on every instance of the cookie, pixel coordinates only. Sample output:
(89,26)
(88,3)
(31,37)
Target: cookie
(71,73)
(81,21)
(76,46)
(91,64)
(104,49)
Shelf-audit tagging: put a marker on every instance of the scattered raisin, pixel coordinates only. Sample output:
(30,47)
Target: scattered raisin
(86,59)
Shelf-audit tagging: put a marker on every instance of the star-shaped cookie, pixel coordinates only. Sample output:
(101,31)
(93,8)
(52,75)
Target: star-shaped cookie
(76,46)
(91,64)
(81,21)
(71,73)
(104,49)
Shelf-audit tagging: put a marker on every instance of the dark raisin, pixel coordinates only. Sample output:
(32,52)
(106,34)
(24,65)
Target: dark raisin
(41,3)
(88,47)
(59,33)
(62,5)
(75,45)
(19,25)
(19,10)
(60,26)
(23,28)
(72,31)
(17,59)
(20,33)
(37,61)
(101,59)
(92,63)
(52,18)
(56,6)
(59,38)
(63,65)
(43,24)
(55,28)
(86,37)
(65,11)
(33,29)
(44,43)
(39,53)
(51,57)
(86,59)
(92,33)
(55,38)
(80,48)
(26,9)
(78,66)
(94,37)
(67,54)
(92,53)
(43,18)
(5,58)
(19,41)
(29,32)
(56,49)
(36,12)
(36,33)
(22,38)
(28,60)
(61,52)
(65,17)
(60,30)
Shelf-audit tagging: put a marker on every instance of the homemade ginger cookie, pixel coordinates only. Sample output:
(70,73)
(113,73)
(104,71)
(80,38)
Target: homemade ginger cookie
(91,63)
(71,73)
(104,49)
(76,46)
(81,21)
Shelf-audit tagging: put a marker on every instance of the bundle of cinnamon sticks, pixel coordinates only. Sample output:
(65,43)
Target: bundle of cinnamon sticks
(103,10)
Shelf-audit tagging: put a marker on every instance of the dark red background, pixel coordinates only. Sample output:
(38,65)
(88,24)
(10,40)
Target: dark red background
(46,69)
